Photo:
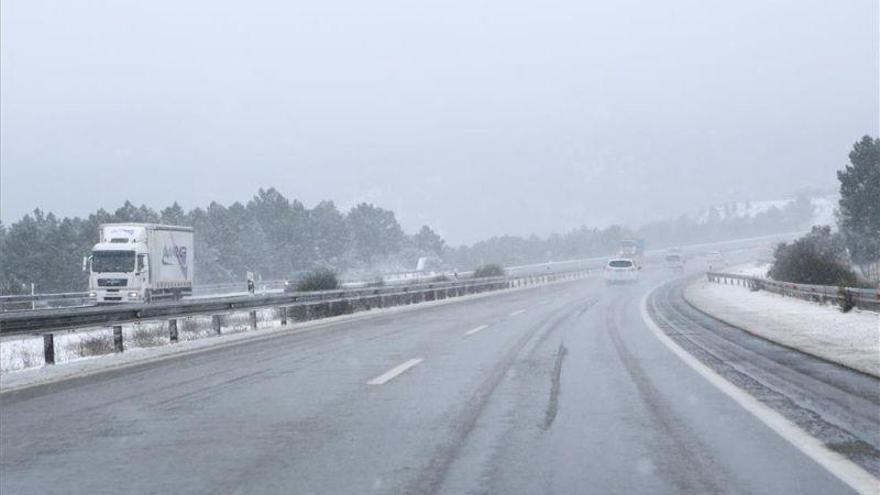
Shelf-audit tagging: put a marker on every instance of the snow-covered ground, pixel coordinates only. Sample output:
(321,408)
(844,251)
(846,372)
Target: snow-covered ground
(23,352)
(823,214)
(823,209)
(750,269)
(851,339)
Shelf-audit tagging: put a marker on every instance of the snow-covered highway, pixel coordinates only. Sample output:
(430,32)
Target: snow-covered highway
(562,388)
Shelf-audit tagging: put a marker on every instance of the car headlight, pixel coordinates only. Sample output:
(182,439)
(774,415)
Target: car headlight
(93,294)
(132,294)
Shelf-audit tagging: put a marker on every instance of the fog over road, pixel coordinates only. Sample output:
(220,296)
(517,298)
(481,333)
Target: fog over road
(557,389)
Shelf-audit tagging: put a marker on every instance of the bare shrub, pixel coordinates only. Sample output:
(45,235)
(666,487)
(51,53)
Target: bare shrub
(148,336)
(95,345)
(490,270)
(318,280)
(193,327)
(236,322)
(845,299)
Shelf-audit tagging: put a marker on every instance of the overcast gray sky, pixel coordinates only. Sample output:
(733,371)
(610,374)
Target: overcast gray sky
(476,117)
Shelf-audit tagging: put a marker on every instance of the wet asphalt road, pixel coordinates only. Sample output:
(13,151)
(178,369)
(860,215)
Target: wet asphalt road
(558,389)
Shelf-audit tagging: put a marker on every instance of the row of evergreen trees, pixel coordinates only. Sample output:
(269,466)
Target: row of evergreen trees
(270,235)
(587,242)
(276,238)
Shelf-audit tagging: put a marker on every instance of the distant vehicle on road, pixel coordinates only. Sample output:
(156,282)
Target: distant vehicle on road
(140,262)
(674,261)
(632,249)
(714,260)
(621,270)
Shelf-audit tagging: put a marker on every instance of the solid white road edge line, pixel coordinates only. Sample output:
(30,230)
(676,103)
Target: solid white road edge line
(847,471)
(518,312)
(393,372)
(475,330)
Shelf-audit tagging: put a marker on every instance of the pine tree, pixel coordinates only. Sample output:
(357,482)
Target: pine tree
(859,206)
(374,232)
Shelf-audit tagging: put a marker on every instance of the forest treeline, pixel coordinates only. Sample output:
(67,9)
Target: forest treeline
(850,255)
(276,237)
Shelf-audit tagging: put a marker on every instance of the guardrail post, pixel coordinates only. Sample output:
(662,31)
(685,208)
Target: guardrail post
(172,330)
(49,348)
(117,339)
(282,313)
(253,316)
(217,323)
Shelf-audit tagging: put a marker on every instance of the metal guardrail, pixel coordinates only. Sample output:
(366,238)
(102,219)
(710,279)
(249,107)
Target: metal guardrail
(79,299)
(289,306)
(862,298)
(71,299)
(40,301)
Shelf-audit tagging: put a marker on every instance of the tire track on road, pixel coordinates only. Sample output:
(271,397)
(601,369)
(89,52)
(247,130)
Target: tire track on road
(432,478)
(678,453)
(553,403)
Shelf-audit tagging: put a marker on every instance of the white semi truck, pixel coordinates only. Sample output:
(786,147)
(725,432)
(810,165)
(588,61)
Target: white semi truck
(140,262)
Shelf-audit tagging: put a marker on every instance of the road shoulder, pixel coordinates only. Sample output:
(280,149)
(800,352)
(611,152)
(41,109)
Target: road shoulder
(849,339)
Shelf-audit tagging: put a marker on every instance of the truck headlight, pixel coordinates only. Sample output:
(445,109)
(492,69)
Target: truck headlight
(132,294)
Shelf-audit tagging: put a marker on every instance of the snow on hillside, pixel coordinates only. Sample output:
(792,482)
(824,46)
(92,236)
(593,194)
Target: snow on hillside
(823,209)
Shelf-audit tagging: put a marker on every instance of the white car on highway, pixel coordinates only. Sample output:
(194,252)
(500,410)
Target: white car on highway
(674,261)
(621,270)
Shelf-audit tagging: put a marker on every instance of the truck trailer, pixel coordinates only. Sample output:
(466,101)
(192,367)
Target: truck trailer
(633,249)
(140,262)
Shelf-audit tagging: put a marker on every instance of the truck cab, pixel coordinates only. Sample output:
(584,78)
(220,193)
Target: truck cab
(119,272)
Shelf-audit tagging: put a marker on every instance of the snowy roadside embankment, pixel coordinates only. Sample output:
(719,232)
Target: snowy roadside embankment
(850,339)
(749,269)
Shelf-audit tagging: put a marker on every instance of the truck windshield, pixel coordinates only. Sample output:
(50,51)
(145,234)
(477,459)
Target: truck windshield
(112,261)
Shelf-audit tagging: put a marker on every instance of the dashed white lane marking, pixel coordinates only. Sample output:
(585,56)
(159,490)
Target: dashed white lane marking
(475,330)
(845,470)
(393,372)
(518,312)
